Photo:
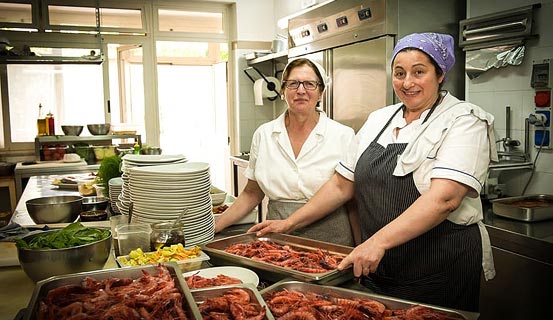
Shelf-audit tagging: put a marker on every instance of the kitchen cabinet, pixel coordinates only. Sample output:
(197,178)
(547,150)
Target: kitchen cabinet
(523,257)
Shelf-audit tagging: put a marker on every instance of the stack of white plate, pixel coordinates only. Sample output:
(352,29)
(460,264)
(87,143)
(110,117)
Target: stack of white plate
(162,193)
(115,187)
(140,160)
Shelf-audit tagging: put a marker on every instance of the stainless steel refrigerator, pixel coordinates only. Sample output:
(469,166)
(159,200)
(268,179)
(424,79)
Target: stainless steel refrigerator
(354,39)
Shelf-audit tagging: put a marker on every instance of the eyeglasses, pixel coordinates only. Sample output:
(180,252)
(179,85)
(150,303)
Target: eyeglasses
(307,85)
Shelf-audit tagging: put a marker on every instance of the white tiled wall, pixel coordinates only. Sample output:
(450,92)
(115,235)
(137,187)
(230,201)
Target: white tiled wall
(498,88)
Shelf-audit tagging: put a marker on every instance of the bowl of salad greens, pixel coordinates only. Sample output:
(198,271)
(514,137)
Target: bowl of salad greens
(75,248)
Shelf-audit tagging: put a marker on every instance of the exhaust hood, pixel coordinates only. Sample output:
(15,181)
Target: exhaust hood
(508,27)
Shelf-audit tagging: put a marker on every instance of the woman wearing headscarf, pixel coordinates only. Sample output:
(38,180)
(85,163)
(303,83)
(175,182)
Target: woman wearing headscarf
(292,156)
(416,169)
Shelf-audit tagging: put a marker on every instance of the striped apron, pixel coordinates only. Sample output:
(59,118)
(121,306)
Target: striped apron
(335,227)
(440,267)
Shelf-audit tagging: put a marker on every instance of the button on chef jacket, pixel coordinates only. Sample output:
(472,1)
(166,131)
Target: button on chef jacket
(281,176)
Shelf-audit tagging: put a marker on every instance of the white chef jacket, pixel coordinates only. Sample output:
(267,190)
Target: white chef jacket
(456,143)
(281,175)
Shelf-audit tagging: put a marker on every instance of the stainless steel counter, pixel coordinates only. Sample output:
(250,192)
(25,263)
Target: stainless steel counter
(42,168)
(531,239)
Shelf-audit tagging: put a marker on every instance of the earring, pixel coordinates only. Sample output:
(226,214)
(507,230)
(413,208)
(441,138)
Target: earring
(281,97)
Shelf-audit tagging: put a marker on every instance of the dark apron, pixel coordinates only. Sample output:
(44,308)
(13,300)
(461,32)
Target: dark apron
(335,227)
(440,267)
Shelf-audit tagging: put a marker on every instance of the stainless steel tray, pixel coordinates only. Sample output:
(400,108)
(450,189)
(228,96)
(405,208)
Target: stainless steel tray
(43,286)
(389,302)
(267,271)
(525,208)
(200,295)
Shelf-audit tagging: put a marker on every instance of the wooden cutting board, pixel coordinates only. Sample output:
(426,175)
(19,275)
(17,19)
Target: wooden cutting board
(8,254)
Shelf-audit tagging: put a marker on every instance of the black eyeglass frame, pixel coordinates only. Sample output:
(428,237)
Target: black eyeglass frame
(288,84)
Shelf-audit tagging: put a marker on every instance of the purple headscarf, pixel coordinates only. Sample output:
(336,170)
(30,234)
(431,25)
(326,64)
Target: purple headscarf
(440,47)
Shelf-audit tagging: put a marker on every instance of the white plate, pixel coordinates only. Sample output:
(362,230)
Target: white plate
(245,275)
(152,158)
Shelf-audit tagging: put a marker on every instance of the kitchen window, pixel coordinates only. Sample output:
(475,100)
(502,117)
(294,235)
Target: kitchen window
(190,21)
(86,17)
(151,50)
(72,93)
(16,13)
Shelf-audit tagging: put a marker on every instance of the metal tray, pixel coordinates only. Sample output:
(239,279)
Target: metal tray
(201,294)
(389,302)
(43,286)
(513,208)
(267,271)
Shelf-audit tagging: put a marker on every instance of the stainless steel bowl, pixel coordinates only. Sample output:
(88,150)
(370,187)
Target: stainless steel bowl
(40,264)
(94,203)
(72,130)
(99,129)
(56,209)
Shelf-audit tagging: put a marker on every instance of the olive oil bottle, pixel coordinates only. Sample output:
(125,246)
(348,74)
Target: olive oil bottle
(41,124)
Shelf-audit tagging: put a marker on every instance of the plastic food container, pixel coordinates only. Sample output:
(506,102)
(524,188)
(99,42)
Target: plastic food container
(53,153)
(133,236)
(185,265)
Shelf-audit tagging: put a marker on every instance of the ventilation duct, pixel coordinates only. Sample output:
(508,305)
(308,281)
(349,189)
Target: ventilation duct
(509,27)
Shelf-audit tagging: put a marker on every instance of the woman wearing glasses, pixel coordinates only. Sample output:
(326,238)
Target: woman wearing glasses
(293,155)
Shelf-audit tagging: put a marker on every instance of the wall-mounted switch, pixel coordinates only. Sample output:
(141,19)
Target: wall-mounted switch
(541,74)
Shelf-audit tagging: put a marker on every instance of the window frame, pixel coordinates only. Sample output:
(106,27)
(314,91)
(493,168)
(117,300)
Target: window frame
(148,40)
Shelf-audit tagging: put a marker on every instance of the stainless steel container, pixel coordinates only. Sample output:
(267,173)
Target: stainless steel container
(200,295)
(525,208)
(219,256)
(389,302)
(42,287)
(40,264)
(54,209)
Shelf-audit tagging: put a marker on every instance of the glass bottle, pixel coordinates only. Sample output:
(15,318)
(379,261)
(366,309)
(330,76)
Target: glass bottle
(136,147)
(165,234)
(50,124)
(41,122)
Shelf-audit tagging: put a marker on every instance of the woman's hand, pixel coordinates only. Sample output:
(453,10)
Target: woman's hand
(267,226)
(365,258)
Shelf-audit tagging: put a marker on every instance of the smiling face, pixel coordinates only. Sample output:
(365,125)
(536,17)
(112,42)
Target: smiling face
(415,79)
(300,99)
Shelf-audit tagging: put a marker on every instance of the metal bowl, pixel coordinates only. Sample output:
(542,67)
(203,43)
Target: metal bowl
(40,264)
(99,129)
(94,203)
(94,215)
(72,130)
(56,209)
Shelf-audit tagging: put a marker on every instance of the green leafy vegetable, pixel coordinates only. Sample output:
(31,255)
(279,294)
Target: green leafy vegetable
(109,168)
(73,235)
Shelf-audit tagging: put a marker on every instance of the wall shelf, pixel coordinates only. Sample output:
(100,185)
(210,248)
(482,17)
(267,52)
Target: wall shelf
(70,140)
(48,60)
(281,56)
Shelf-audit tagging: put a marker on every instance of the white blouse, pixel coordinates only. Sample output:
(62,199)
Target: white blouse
(281,175)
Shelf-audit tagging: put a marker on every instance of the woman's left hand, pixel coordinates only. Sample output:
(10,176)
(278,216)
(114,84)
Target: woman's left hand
(365,258)
(268,226)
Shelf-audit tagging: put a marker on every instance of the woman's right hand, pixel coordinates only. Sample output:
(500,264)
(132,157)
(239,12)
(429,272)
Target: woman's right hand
(268,226)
